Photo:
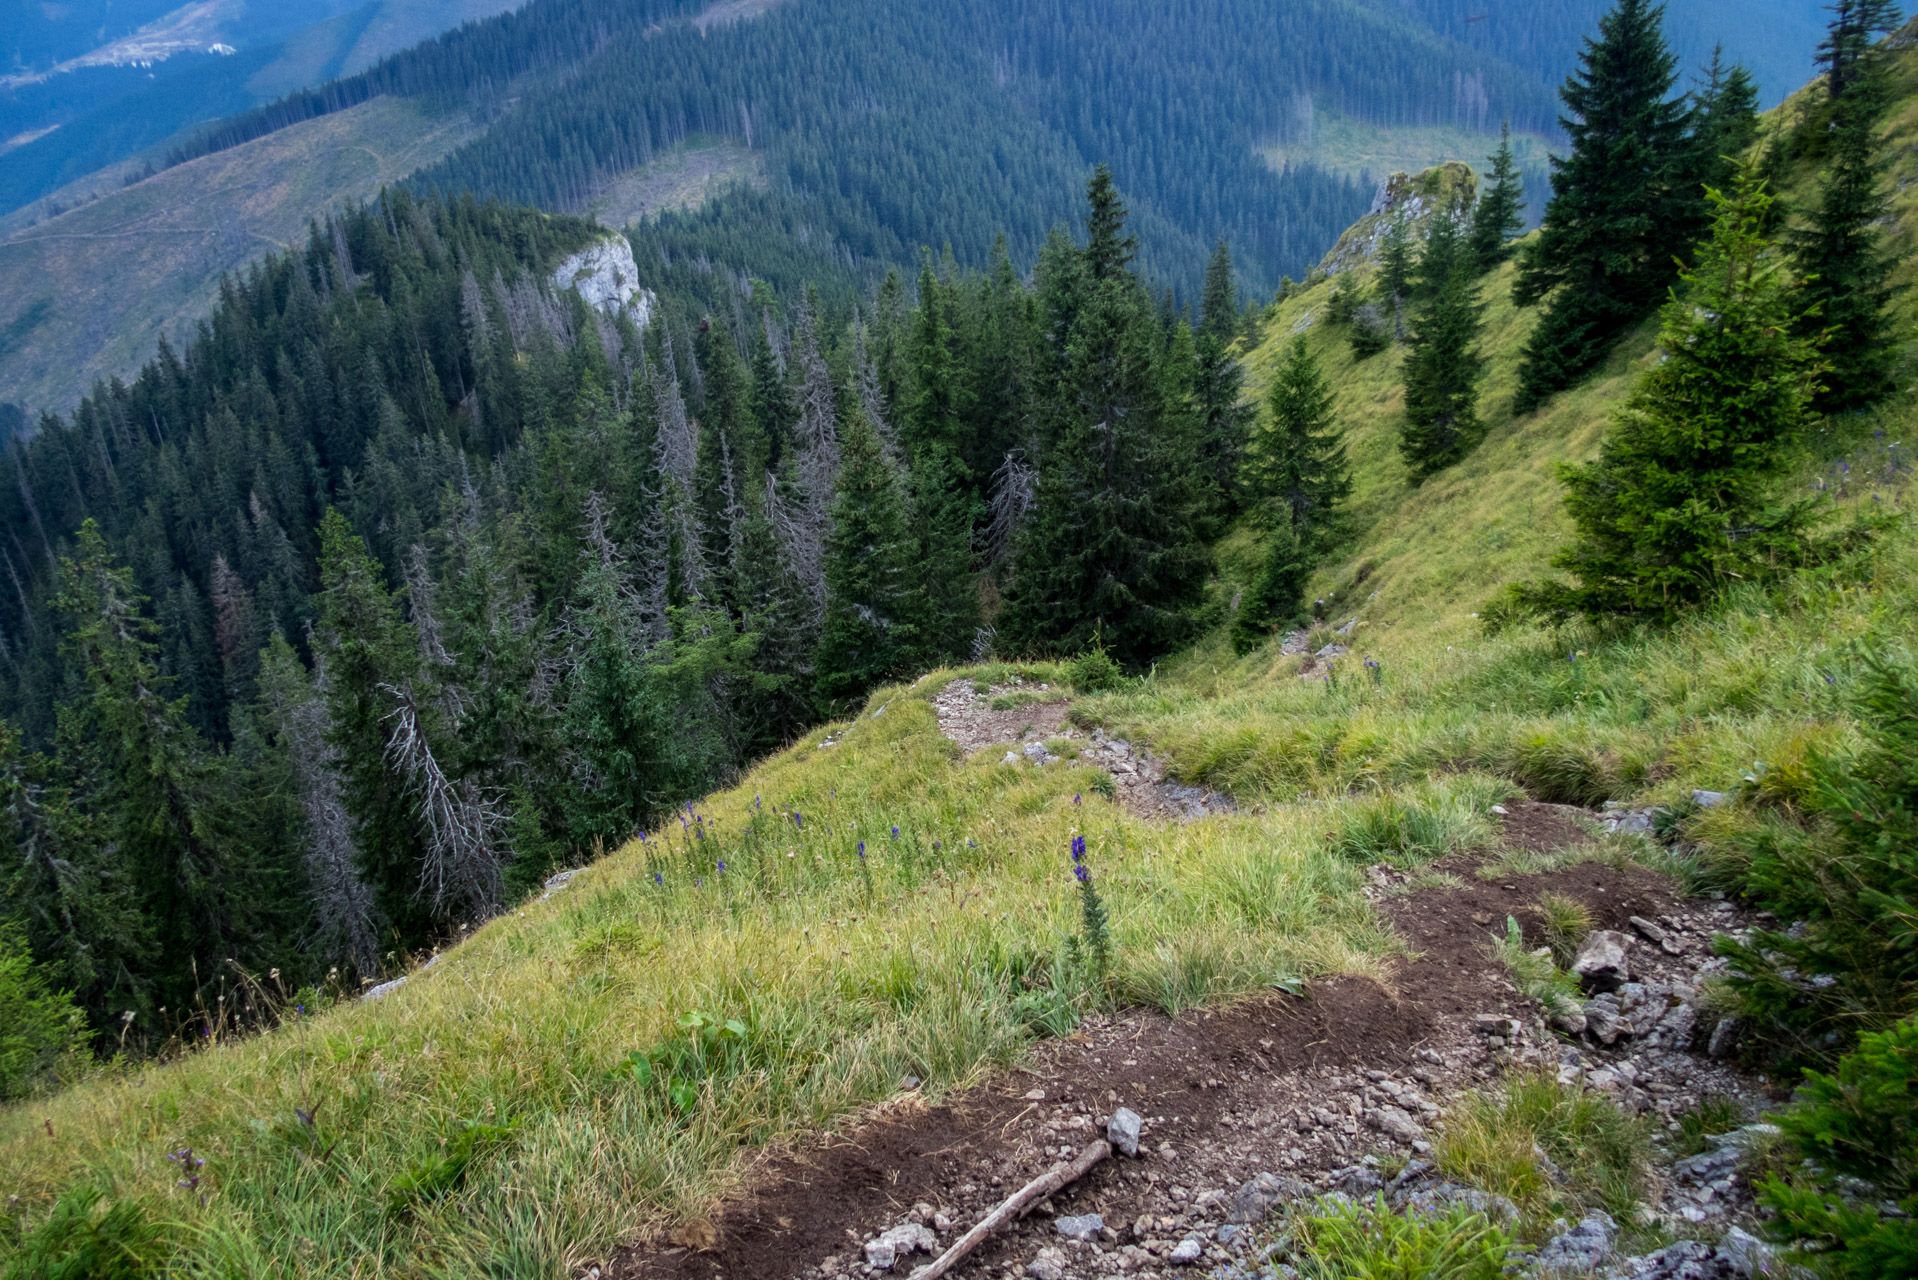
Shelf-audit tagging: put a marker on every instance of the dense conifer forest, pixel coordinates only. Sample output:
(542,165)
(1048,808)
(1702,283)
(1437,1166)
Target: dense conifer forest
(892,127)
(412,578)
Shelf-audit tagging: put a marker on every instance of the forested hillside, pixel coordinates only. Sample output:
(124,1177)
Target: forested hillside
(438,578)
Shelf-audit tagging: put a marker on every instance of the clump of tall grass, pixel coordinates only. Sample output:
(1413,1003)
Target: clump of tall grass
(1342,1240)
(1554,1150)
(1412,825)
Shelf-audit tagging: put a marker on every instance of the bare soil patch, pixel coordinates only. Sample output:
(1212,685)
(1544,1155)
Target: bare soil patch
(1022,718)
(1297,1086)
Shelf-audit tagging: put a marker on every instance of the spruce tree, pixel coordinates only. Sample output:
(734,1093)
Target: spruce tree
(1624,203)
(1112,547)
(1685,497)
(369,651)
(1847,45)
(872,626)
(1218,305)
(1443,367)
(1218,381)
(1724,121)
(152,786)
(628,747)
(1500,213)
(1276,598)
(1847,290)
(1296,468)
(1395,274)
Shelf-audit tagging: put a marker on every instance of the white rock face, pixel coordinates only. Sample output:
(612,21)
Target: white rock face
(608,278)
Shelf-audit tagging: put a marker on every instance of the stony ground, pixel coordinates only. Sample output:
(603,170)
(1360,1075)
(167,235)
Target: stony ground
(1018,720)
(1275,1099)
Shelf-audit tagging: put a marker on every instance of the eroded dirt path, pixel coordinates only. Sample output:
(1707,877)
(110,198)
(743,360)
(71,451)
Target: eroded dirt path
(1021,718)
(1299,1087)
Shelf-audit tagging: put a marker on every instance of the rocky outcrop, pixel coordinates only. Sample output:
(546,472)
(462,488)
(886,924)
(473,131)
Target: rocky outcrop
(1448,188)
(608,279)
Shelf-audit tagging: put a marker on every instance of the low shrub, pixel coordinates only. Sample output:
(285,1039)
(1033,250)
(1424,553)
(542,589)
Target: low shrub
(1857,1130)
(1094,671)
(41,1032)
(1848,879)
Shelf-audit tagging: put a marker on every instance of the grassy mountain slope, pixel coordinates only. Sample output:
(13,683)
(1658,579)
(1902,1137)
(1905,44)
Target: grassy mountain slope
(88,294)
(487,1118)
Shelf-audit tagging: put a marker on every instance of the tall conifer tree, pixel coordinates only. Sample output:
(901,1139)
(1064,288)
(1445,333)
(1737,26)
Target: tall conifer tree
(1218,381)
(1443,367)
(1685,497)
(1848,270)
(1111,550)
(1500,212)
(1624,203)
(872,624)
(1296,468)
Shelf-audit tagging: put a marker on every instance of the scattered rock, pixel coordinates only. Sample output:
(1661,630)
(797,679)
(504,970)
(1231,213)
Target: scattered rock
(1123,1131)
(1331,651)
(1651,932)
(1085,1226)
(1394,1123)
(1603,1020)
(1724,1038)
(1747,1254)
(1187,1252)
(901,1241)
(1037,753)
(1601,962)
(1709,799)
(1580,1250)
(1686,1260)
(1260,1195)
(1012,757)
(1050,1264)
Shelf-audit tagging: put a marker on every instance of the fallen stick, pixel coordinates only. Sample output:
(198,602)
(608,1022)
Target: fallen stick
(1014,1206)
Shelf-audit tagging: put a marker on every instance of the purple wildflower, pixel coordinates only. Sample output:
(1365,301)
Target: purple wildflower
(895,833)
(1085,877)
(1078,848)
(862,848)
(722,867)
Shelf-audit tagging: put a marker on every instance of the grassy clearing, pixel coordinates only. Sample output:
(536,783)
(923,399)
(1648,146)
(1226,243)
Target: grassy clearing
(583,1070)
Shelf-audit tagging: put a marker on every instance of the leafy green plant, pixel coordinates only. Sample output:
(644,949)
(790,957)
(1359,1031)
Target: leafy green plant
(445,1170)
(1856,1126)
(708,1047)
(1347,1241)
(40,1029)
(1538,976)
(1092,945)
(88,1238)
